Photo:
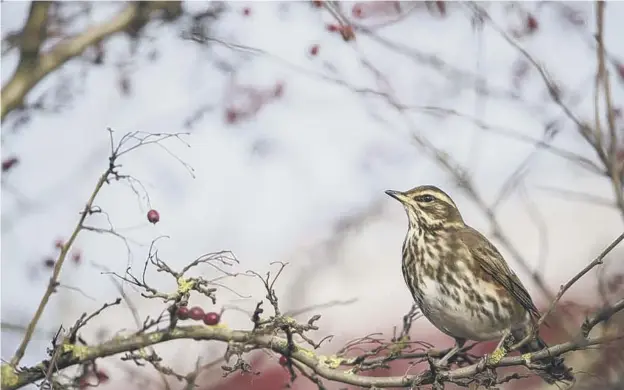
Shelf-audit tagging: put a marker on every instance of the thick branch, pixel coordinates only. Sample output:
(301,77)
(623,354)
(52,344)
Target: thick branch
(27,76)
(322,366)
(33,35)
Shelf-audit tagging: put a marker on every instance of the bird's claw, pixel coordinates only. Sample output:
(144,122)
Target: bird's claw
(437,365)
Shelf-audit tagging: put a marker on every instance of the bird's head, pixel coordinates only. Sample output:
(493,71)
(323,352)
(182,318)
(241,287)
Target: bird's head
(428,207)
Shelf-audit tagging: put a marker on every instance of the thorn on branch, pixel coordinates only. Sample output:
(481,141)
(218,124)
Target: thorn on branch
(255,318)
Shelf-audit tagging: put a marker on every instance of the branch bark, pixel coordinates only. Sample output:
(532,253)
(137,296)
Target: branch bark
(613,166)
(325,367)
(35,66)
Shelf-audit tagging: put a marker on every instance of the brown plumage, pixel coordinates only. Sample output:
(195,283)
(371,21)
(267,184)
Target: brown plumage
(460,281)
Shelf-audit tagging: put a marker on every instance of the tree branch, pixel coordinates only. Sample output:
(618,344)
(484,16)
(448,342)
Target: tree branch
(137,140)
(67,353)
(53,283)
(31,71)
(612,165)
(33,35)
(323,366)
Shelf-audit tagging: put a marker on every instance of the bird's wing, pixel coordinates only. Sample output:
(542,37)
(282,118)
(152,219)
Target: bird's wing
(493,263)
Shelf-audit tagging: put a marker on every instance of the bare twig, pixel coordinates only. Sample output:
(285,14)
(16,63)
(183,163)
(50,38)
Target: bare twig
(109,174)
(320,365)
(614,167)
(597,261)
(57,269)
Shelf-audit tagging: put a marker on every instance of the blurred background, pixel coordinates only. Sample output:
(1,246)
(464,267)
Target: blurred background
(298,115)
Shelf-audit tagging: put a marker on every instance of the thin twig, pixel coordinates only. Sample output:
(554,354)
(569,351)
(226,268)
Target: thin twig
(597,261)
(317,364)
(57,270)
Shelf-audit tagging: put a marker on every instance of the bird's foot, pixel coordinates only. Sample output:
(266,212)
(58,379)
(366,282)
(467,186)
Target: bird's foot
(439,369)
(441,365)
(438,365)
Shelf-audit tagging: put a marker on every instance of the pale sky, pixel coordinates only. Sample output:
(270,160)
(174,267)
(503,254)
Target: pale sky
(270,188)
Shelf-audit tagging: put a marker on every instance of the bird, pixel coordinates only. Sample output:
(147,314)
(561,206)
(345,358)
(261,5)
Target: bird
(461,282)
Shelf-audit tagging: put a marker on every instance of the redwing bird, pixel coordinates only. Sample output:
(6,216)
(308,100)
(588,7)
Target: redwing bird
(461,282)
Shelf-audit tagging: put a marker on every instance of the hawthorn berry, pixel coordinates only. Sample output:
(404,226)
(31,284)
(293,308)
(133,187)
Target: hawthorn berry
(283,360)
(278,91)
(531,23)
(196,313)
(356,11)
(212,318)
(620,69)
(101,376)
(441,7)
(76,257)
(231,116)
(153,216)
(332,27)
(246,11)
(9,163)
(314,50)
(183,313)
(317,3)
(83,382)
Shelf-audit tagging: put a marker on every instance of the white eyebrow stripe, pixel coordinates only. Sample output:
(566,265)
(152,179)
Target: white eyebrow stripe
(438,195)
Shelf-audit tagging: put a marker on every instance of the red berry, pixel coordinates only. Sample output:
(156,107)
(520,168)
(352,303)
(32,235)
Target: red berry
(314,49)
(283,360)
(317,3)
(246,11)
(49,262)
(183,313)
(356,11)
(231,116)
(76,257)
(83,382)
(441,7)
(101,376)
(279,89)
(212,318)
(196,313)
(153,216)
(531,23)
(332,27)
(9,163)
(620,69)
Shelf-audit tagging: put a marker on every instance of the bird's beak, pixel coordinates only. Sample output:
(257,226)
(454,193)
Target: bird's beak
(398,195)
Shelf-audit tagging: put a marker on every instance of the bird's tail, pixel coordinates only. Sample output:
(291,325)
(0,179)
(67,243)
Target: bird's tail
(552,369)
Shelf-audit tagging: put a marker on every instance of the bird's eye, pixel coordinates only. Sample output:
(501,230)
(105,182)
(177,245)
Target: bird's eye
(425,198)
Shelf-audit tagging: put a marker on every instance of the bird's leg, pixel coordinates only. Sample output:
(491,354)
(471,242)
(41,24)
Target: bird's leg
(500,350)
(459,343)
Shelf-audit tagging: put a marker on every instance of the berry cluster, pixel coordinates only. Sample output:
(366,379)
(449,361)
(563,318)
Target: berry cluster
(197,313)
